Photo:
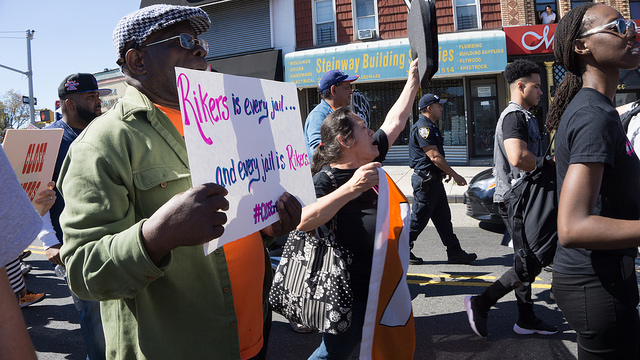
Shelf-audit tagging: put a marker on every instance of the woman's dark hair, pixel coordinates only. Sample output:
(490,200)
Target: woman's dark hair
(336,123)
(568,30)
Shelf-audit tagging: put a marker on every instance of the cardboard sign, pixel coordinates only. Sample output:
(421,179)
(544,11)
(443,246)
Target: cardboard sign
(422,29)
(33,154)
(246,135)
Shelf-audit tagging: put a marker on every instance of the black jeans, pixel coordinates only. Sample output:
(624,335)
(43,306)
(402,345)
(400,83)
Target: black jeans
(511,279)
(602,311)
(432,204)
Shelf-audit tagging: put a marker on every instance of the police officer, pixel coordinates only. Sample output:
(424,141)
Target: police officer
(430,168)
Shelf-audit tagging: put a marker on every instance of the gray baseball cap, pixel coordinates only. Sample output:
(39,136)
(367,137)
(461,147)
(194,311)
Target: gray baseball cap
(140,24)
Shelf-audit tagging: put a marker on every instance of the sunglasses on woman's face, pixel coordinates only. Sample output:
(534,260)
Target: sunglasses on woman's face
(186,41)
(620,26)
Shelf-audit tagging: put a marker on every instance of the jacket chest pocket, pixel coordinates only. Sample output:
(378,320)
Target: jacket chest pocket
(155,186)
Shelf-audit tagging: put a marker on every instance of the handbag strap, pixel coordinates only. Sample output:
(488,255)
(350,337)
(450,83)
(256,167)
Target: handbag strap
(333,224)
(553,137)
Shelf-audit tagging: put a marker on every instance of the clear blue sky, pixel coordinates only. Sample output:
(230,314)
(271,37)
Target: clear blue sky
(70,36)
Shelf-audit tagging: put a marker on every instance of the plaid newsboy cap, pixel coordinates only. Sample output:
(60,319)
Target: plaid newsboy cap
(140,24)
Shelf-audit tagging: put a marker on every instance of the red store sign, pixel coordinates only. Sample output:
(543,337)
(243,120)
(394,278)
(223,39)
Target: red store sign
(533,39)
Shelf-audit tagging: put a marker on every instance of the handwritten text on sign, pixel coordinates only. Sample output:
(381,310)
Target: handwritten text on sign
(32,154)
(246,135)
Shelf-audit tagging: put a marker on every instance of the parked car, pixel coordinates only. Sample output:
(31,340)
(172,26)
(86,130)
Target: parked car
(479,198)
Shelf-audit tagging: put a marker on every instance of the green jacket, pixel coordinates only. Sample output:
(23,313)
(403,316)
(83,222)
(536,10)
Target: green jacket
(118,172)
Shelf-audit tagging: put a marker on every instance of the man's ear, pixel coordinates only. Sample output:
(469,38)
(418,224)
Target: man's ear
(333,90)
(135,61)
(70,104)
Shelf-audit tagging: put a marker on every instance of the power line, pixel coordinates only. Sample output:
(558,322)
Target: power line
(10,37)
(11,32)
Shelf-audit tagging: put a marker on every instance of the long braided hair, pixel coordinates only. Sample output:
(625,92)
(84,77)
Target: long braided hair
(568,30)
(336,123)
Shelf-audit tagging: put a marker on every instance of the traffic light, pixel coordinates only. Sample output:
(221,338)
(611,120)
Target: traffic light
(46,116)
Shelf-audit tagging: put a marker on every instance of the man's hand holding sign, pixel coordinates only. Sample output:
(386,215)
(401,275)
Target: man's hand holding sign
(245,135)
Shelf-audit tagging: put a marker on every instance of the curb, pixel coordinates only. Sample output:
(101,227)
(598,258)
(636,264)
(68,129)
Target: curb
(451,199)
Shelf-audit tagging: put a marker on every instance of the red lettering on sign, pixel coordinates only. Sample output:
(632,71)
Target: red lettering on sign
(34,160)
(31,188)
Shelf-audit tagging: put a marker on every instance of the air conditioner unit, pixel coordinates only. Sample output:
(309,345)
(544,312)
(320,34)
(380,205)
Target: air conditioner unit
(366,34)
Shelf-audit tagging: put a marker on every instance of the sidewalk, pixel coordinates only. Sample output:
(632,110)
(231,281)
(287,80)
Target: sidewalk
(401,175)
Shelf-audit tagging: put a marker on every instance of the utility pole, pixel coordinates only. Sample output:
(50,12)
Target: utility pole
(32,111)
(29,74)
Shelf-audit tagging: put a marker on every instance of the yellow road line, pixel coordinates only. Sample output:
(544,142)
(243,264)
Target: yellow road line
(36,249)
(454,280)
(468,283)
(448,276)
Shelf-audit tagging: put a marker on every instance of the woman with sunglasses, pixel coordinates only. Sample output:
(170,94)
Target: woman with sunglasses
(598,173)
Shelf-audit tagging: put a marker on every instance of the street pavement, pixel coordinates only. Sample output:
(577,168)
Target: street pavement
(437,289)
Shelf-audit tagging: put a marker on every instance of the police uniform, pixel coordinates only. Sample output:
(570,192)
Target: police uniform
(429,196)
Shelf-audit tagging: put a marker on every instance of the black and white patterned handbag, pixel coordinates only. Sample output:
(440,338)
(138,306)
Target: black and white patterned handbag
(312,285)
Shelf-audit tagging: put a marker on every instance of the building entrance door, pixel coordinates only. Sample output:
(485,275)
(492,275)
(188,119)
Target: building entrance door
(483,116)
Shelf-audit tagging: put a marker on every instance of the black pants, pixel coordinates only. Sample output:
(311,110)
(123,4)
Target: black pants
(432,204)
(602,311)
(511,279)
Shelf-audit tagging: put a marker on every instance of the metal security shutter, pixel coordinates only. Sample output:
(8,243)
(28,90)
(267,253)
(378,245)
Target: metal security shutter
(238,27)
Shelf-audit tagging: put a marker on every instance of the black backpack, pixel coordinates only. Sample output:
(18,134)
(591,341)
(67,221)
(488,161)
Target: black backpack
(627,116)
(532,206)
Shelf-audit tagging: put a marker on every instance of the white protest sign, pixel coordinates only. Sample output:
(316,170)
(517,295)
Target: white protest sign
(246,135)
(33,154)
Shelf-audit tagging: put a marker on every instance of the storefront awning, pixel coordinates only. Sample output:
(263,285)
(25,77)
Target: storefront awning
(263,65)
(145,3)
(462,53)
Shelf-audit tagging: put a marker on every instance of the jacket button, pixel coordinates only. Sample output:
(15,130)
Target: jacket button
(233,325)
(216,251)
(225,290)
(164,185)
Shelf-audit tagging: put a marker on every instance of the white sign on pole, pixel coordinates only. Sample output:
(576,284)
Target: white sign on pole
(246,135)
(33,154)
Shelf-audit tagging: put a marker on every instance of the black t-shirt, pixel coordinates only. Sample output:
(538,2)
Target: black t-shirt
(356,221)
(514,126)
(590,132)
(424,133)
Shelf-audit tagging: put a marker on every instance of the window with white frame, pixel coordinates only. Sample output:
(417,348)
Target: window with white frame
(467,14)
(365,14)
(325,26)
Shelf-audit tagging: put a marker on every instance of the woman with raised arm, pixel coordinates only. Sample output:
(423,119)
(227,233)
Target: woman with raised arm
(352,153)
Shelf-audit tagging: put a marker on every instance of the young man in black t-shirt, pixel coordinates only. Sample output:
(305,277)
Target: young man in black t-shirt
(517,144)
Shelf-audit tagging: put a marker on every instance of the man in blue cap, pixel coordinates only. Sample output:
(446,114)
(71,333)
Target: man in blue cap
(426,152)
(335,89)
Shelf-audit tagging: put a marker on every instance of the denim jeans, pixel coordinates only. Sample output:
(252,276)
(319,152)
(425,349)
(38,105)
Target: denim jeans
(91,327)
(336,347)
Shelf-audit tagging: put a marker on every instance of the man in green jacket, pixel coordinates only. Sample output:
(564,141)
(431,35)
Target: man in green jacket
(132,222)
